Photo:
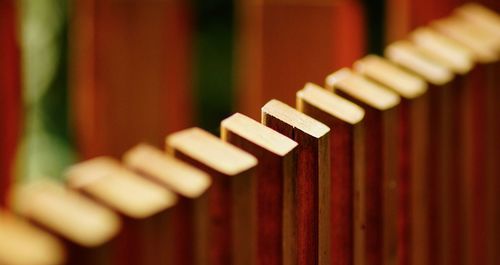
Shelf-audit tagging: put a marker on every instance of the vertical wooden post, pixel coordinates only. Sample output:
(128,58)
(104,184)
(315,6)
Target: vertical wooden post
(142,205)
(188,182)
(411,88)
(276,183)
(313,178)
(429,247)
(226,221)
(381,140)
(346,169)
(86,228)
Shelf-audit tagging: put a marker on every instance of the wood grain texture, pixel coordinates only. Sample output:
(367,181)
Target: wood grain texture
(276,183)
(346,164)
(10,95)
(412,134)
(147,46)
(224,220)
(313,178)
(142,205)
(308,39)
(381,114)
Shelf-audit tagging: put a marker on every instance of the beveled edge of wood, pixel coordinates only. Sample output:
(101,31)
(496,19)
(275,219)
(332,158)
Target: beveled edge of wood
(22,243)
(211,151)
(294,118)
(330,103)
(385,72)
(359,87)
(443,49)
(177,175)
(123,190)
(481,44)
(66,212)
(480,15)
(407,55)
(257,133)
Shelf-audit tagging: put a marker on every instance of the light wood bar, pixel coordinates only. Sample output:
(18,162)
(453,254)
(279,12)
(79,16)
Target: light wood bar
(86,228)
(313,186)
(226,216)
(23,244)
(412,131)
(381,121)
(187,181)
(276,182)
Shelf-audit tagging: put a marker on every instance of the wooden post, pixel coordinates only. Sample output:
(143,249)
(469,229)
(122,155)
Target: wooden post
(188,182)
(226,222)
(313,178)
(429,247)
(142,205)
(276,181)
(346,169)
(22,243)
(381,122)
(86,228)
(412,132)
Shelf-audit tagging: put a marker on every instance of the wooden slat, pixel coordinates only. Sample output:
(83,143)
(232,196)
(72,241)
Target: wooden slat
(346,169)
(188,182)
(276,182)
(313,178)
(86,228)
(413,111)
(142,205)
(22,243)
(430,246)
(225,218)
(381,115)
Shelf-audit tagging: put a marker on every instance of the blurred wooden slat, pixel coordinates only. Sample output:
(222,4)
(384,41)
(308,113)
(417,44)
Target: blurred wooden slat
(313,178)
(22,243)
(346,165)
(226,221)
(143,206)
(188,182)
(284,43)
(381,114)
(86,228)
(10,95)
(411,58)
(413,111)
(129,72)
(276,185)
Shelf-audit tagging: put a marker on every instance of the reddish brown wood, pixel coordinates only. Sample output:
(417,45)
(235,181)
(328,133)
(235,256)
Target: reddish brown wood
(129,55)
(10,95)
(346,149)
(313,178)
(308,41)
(276,181)
(224,220)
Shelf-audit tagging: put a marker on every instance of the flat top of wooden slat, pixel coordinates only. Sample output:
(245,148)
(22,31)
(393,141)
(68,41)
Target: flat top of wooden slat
(177,175)
(483,45)
(380,69)
(295,118)
(211,151)
(67,213)
(408,55)
(120,188)
(23,244)
(482,16)
(448,52)
(257,133)
(330,103)
(362,89)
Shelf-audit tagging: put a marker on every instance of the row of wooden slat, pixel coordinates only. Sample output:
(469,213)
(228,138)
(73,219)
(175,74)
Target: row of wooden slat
(393,162)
